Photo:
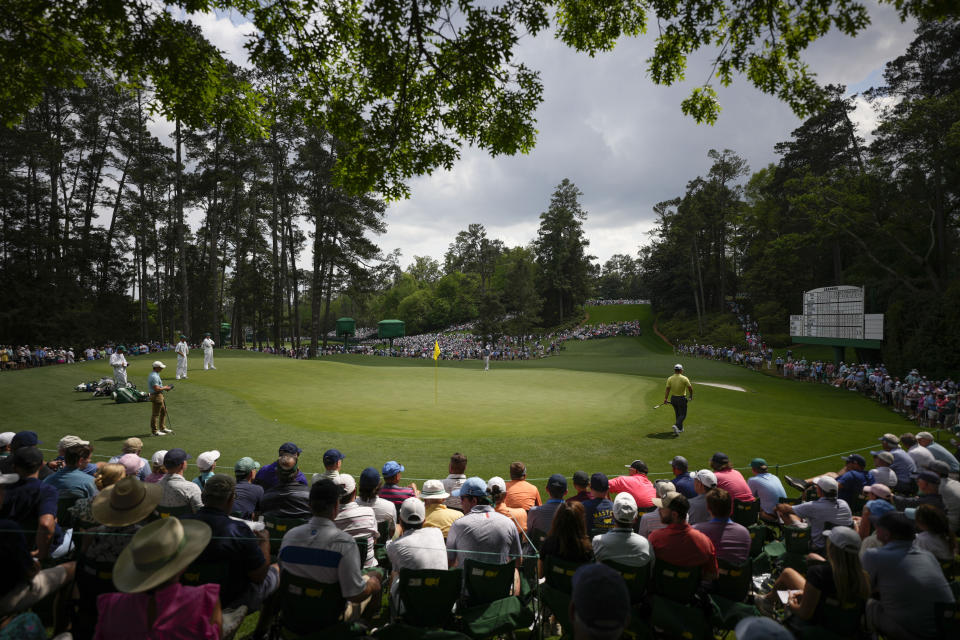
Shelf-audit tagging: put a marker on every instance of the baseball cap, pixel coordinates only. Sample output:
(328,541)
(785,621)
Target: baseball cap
(474,487)
(939,467)
(391,468)
(879,490)
(131,463)
(158,365)
(680,463)
(557,481)
(678,366)
(71,441)
(844,538)
(719,458)
(369,478)
(27,457)
(827,484)
(174,458)
(581,479)
(924,435)
(599,482)
(332,455)
(600,598)
(624,507)
(206,459)
(6,438)
(496,482)
(289,447)
(707,478)
(638,465)
(24,439)
(433,490)
(132,445)
(929,476)
(246,464)
(856,458)
(218,488)
(886,456)
(889,438)
(346,481)
(412,511)
(158,457)
(667,499)
(759,464)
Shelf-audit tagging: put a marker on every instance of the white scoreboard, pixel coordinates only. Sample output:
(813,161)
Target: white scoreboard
(836,313)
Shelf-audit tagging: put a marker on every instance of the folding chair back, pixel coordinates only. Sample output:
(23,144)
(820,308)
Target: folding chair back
(487,582)
(307,606)
(841,618)
(796,539)
(380,550)
(93,579)
(746,513)
(276,528)
(428,595)
(733,580)
(174,512)
(948,619)
(559,573)
(205,573)
(636,578)
(64,516)
(758,538)
(362,548)
(675,583)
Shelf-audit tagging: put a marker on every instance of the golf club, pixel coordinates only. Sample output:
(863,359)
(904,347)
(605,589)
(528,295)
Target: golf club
(169,424)
(657,406)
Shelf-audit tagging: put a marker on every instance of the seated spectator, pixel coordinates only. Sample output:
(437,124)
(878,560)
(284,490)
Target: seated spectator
(359,522)
(682,479)
(152,603)
(851,479)
(581,484)
(122,509)
(540,518)
(939,452)
(332,463)
(206,463)
(908,581)
(267,476)
(436,513)
(600,603)
(248,495)
(760,628)
(22,582)
(879,501)
(933,532)
(71,481)
(457,470)
(65,443)
(246,556)
(318,550)
(392,491)
(883,473)
(621,544)
(497,488)
(729,479)
(598,510)
(928,492)
(842,578)
(5,438)
(567,538)
(367,496)
(680,544)
(730,540)
(134,446)
(767,488)
(287,497)
(32,504)
(107,475)
(178,491)
(703,482)
(419,546)
(23,439)
(903,464)
(482,533)
(520,493)
(156,467)
(636,484)
(133,465)
(650,521)
(949,493)
(921,455)
(826,510)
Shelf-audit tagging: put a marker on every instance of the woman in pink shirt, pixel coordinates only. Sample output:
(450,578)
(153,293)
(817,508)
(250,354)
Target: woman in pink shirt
(729,479)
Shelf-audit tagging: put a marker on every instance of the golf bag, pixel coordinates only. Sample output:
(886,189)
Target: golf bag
(126,394)
(87,386)
(104,387)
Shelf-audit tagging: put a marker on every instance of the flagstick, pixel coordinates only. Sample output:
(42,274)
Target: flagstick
(436,382)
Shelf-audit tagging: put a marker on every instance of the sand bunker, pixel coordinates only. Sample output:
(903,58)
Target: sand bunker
(724,386)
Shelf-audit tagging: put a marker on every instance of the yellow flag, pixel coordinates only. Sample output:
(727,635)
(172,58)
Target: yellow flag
(436,350)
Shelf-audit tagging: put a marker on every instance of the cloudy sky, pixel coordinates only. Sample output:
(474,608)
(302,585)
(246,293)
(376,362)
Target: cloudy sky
(621,139)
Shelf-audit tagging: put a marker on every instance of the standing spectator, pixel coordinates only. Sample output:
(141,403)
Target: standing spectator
(178,491)
(767,488)
(206,463)
(481,533)
(539,518)
(359,522)
(598,510)
(682,479)
(288,498)
(679,543)
(520,493)
(621,544)
(636,484)
(367,496)
(457,475)
(267,476)
(703,482)
(925,439)
(71,481)
(436,513)
(248,495)
(581,483)
(392,491)
(418,547)
(730,540)
(729,479)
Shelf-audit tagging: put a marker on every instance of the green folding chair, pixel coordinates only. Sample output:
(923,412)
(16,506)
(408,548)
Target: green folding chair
(276,528)
(64,517)
(487,606)
(559,573)
(380,550)
(427,596)
(174,512)
(758,538)
(93,579)
(675,583)
(308,609)
(730,592)
(205,573)
(746,513)
(485,582)
(636,578)
(832,620)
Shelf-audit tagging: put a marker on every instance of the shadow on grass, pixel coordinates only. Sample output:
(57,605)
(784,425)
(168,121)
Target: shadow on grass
(663,435)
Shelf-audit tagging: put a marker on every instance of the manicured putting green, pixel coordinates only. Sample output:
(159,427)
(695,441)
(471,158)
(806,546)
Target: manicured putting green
(590,408)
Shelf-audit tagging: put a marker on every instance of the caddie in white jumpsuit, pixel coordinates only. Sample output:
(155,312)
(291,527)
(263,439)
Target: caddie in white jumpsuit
(119,363)
(207,345)
(182,350)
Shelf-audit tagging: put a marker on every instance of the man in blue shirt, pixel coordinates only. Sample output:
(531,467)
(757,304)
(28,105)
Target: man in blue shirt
(267,476)
(682,482)
(854,478)
(32,504)
(155,386)
(598,509)
(767,488)
(71,481)
(540,518)
(902,465)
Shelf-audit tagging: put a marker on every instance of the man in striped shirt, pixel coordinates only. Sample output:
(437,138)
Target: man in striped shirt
(392,491)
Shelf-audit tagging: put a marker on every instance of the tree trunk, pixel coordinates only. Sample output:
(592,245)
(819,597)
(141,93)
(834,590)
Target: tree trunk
(181,233)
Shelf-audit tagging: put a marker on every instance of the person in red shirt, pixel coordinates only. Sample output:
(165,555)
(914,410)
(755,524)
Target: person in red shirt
(520,493)
(679,543)
(729,479)
(636,484)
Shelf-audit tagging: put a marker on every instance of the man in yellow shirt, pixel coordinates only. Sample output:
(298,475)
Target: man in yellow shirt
(676,394)
(436,513)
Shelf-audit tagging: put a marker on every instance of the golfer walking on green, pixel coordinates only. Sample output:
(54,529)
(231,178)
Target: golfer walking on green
(676,394)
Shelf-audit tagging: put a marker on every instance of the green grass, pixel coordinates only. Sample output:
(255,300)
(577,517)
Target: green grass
(590,408)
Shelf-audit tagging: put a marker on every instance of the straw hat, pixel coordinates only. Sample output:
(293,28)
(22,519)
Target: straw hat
(159,552)
(127,502)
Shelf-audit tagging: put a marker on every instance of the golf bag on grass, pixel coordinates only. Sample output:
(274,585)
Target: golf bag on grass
(129,394)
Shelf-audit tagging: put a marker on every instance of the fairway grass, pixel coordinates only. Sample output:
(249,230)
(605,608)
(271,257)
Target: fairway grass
(589,408)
